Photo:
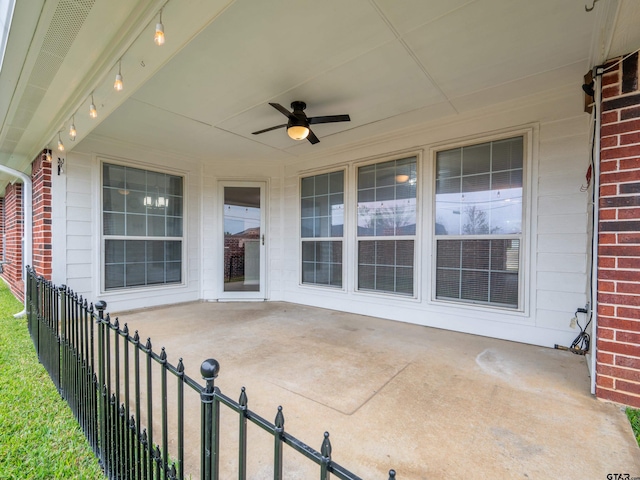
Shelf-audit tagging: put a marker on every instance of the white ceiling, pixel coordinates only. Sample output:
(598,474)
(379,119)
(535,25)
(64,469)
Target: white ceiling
(387,63)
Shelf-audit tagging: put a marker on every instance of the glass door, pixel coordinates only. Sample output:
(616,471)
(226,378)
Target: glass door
(244,240)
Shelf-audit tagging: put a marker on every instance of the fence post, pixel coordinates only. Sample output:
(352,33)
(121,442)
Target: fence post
(277,447)
(63,325)
(35,336)
(209,458)
(100,306)
(242,436)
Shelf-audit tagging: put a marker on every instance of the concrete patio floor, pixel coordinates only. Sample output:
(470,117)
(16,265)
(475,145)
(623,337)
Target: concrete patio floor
(428,403)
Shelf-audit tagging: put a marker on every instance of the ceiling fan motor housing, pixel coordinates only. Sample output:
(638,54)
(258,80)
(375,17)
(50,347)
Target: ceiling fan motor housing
(298,106)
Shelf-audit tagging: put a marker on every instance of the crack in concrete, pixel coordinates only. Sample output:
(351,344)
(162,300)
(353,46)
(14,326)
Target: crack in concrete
(376,392)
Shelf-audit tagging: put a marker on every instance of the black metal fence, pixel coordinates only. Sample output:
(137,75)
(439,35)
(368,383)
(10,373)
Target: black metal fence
(109,378)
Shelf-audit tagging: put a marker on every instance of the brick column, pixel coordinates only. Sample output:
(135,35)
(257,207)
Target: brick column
(618,333)
(41,178)
(13,229)
(1,228)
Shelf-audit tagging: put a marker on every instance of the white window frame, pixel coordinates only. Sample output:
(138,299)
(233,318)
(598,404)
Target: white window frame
(342,238)
(415,237)
(529,137)
(183,239)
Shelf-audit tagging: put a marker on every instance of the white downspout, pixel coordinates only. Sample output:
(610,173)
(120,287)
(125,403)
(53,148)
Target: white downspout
(596,216)
(27,206)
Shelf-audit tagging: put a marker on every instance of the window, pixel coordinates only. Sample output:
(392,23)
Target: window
(387,226)
(322,228)
(141,227)
(478,223)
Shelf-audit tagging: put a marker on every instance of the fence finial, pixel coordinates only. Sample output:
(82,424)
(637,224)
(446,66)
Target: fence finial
(243,398)
(209,369)
(279,418)
(392,474)
(325,449)
(100,306)
(180,367)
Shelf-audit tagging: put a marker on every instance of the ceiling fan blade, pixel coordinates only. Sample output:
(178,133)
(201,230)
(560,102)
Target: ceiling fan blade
(329,119)
(312,138)
(269,129)
(281,109)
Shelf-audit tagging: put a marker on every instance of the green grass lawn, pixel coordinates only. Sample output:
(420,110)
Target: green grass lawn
(39,437)
(634,418)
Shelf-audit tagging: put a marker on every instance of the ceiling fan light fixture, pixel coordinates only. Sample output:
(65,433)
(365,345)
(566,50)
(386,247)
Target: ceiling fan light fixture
(402,178)
(297,128)
(298,132)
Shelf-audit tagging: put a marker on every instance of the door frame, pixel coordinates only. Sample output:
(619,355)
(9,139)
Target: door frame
(261,294)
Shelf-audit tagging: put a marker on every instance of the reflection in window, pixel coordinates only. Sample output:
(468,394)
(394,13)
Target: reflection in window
(479,189)
(141,227)
(478,193)
(322,228)
(387,226)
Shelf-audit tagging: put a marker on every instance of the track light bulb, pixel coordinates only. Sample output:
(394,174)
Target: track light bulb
(158,38)
(118,85)
(93,112)
(73,133)
(47,156)
(60,144)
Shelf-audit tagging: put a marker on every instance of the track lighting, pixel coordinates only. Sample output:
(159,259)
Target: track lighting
(93,112)
(159,36)
(118,85)
(73,133)
(60,144)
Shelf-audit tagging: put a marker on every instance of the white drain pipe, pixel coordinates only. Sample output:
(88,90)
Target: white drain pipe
(596,219)
(27,206)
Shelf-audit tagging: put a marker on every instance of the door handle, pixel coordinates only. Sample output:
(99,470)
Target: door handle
(263,239)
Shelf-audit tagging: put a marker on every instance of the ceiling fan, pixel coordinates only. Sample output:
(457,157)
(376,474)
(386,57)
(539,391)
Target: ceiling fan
(298,124)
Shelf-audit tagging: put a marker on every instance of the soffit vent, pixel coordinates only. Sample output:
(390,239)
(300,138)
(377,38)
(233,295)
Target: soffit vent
(67,21)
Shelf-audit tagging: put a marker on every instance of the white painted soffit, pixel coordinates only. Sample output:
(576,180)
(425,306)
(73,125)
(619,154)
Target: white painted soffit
(74,51)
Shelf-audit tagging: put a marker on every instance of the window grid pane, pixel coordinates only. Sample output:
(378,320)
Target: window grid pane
(387,208)
(322,217)
(479,189)
(386,266)
(146,204)
(322,205)
(131,263)
(479,194)
(141,203)
(322,263)
(478,271)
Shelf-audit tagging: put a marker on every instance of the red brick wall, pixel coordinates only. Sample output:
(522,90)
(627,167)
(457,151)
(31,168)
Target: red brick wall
(12,222)
(1,227)
(12,271)
(41,178)
(618,335)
